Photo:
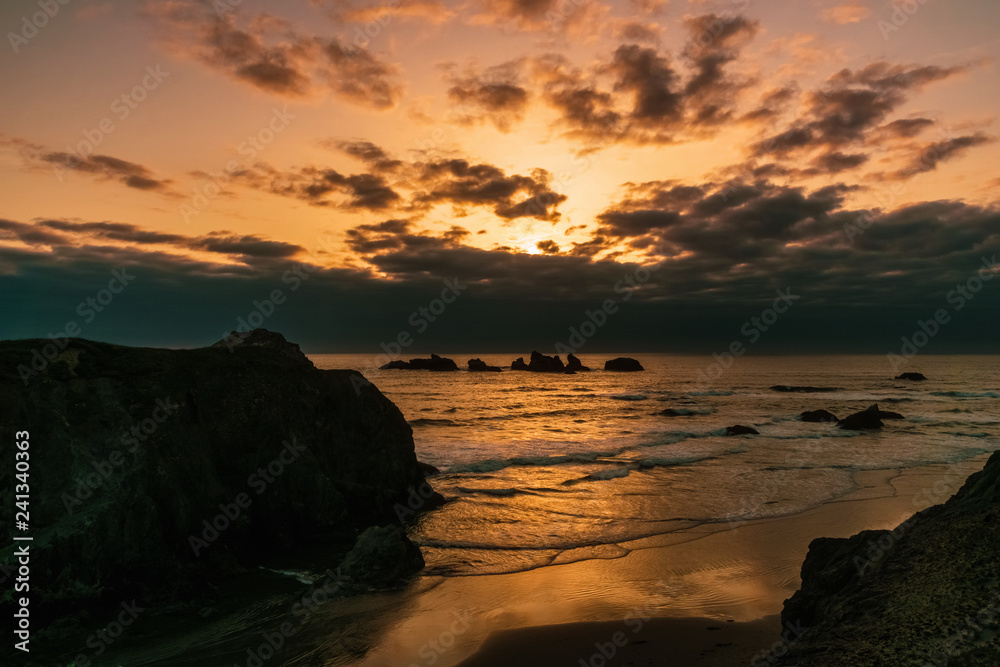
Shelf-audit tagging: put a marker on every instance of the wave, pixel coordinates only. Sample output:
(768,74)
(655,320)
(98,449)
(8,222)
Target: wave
(503,493)
(427,421)
(628,397)
(711,392)
(966,394)
(784,388)
(600,476)
(682,412)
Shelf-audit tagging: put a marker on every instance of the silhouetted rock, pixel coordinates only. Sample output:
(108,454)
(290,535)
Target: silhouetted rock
(741,430)
(478,365)
(802,390)
(867,419)
(541,363)
(180,509)
(435,363)
(885,414)
(573,364)
(623,364)
(923,593)
(382,556)
(818,416)
(270,340)
(428,469)
(916,377)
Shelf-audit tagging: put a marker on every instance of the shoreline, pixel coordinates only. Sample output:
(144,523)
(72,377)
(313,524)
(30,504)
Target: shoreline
(737,577)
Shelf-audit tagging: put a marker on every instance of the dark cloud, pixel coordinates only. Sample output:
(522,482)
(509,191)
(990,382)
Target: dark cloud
(61,234)
(462,183)
(851,107)
(368,153)
(930,155)
(130,174)
(271,55)
(366,191)
(495,94)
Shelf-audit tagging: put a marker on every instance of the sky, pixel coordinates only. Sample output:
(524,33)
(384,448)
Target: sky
(650,174)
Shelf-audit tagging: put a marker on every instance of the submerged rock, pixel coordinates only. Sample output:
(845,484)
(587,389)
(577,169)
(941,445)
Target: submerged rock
(435,363)
(867,419)
(478,365)
(162,472)
(818,416)
(916,377)
(741,430)
(924,593)
(623,364)
(802,390)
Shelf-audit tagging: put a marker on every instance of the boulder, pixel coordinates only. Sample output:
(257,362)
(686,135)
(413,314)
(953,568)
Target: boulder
(867,419)
(382,556)
(623,364)
(396,364)
(479,366)
(818,416)
(518,365)
(916,377)
(923,593)
(573,363)
(741,430)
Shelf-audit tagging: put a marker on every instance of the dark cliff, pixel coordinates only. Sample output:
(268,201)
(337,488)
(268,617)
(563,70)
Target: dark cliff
(925,593)
(133,450)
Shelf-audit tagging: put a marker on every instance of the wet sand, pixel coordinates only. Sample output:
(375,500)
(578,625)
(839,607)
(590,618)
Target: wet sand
(660,641)
(685,581)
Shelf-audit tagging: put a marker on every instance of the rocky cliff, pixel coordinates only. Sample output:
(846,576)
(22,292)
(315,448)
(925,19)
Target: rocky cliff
(926,593)
(154,472)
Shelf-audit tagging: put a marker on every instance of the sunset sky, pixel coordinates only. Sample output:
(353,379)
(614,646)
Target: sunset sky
(538,151)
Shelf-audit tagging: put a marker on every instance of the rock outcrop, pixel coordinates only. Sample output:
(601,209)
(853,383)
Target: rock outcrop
(480,366)
(916,377)
(818,416)
(925,593)
(868,419)
(156,473)
(739,429)
(435,363)
(574,364)
(623,364)
(540,363)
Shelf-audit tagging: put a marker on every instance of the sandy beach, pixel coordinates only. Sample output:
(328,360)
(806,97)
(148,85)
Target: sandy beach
(672,588)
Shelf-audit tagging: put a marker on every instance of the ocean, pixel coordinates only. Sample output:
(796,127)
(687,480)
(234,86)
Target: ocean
(577,498)
(549,468)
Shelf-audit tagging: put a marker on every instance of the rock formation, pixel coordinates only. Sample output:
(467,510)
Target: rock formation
(574,364)
(435,363)
(623,364)
(540,363)
(741,430)
(818,416)
(916,377)
(478,365)
(870,418)
(925,593)
(156,473)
